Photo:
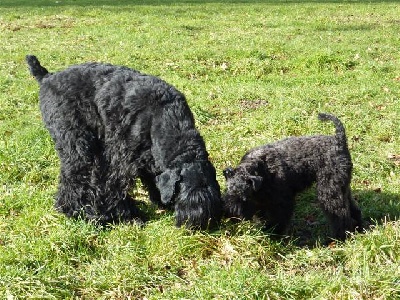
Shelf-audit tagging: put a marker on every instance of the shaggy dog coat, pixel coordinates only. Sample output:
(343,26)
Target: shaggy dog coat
(111,125)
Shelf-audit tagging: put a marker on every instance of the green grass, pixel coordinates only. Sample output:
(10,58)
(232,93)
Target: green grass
(253,72)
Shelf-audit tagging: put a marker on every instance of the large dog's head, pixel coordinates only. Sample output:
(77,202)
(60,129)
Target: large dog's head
(241,185)
(195,193)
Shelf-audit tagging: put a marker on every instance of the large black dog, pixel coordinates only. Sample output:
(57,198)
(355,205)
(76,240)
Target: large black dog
(111,125)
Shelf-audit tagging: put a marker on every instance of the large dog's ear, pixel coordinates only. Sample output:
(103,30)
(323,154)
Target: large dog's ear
(166,184)
(256,182)
(228,172)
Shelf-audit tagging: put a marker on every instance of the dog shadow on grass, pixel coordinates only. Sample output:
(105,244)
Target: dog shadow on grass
(310,228)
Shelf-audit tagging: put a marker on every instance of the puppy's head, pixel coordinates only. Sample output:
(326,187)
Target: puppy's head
(241,185)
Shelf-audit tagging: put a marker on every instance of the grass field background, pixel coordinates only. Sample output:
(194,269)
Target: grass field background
(253,72)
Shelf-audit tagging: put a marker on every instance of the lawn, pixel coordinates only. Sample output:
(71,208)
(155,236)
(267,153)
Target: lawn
(253,72)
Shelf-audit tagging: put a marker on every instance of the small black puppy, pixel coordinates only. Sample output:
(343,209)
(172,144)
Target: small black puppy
(268,178)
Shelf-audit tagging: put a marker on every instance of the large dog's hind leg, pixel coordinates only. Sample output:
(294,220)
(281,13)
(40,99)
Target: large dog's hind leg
(77,195)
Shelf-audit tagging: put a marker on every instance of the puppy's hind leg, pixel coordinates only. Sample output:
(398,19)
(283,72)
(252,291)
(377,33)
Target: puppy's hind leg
(336,209)
(355,213)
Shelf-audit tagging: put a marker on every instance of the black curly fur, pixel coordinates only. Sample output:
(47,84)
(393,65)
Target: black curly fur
(268,178)
(111,125)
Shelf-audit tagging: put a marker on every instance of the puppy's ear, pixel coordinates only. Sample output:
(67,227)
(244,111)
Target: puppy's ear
(166,184)
(256,182)
(228,172)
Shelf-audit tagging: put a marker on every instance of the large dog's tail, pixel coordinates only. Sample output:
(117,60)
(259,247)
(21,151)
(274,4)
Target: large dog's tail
(340,131)
(36,69)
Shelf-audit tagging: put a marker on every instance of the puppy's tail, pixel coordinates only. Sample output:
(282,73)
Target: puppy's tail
(340,131)
(36,69)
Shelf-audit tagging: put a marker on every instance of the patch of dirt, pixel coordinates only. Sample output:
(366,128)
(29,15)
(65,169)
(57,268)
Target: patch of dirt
(253,104)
